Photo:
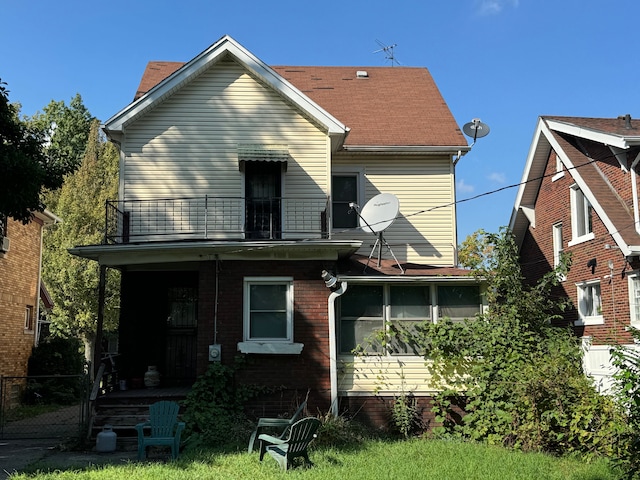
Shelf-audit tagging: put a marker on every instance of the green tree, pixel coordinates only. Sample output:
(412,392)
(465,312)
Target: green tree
(66,128)
(73,281)
(25,168)
(521,377)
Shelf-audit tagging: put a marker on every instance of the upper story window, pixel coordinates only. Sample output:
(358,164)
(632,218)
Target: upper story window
(557,246)
(581,216)
(634,298)
(559,168)
(366,313)
(589,304)
(268,316)
(344,188)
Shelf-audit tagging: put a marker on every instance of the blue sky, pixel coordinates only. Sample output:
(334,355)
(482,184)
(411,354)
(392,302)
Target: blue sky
(503,61)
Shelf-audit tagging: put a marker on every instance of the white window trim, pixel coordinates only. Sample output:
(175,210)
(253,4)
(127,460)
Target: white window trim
(592,319)
(575,238)
(635,275)
(268,345)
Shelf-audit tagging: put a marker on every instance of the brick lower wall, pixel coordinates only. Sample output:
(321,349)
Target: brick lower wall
(20,268)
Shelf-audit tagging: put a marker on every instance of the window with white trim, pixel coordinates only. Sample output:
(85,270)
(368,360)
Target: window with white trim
(581,216)
(557,247)
(634,297)
(559,169)
(370,315)
(268,309)
(589,303)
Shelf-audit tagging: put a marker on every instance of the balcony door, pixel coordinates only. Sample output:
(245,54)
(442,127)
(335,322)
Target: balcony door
(263,182)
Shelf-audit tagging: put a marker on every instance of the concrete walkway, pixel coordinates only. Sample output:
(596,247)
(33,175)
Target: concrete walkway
(17,455)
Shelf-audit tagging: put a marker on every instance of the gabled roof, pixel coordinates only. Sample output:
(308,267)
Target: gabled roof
(182,75)
(578,142)
(384,108)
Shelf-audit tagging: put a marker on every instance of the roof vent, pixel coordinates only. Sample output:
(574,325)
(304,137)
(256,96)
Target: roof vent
(362,74)
(627,121)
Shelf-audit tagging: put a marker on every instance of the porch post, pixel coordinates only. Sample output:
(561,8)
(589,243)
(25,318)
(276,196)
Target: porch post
(97,348)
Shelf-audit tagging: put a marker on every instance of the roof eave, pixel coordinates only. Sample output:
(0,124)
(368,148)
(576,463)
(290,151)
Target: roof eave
(615,140)
(173,252)
(444,149)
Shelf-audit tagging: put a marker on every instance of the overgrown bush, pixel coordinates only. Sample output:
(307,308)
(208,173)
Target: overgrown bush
(56,356)
(214,411)
(342,432)
(627,389)
(522,377)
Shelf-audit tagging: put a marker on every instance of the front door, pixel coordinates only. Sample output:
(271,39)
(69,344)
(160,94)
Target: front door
(263,202)
(181,334)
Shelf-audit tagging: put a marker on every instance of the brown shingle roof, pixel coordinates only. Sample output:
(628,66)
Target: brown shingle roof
(392,106)
(613,205)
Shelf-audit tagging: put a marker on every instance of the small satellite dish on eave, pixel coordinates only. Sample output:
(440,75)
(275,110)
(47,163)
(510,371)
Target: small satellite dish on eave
(475,129)
(379,213)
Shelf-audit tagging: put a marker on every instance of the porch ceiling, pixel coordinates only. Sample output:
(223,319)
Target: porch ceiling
(123,254)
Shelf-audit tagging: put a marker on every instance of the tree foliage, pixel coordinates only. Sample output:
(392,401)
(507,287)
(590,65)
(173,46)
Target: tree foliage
(73,281)
(66,129)
(626,359)
(25,167)
(521,377)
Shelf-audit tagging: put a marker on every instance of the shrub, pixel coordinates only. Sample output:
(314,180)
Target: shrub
(522,376)
(214,411)
(56,356)
(627,389)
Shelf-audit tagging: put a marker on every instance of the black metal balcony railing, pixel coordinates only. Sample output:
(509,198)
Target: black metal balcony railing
(225,218)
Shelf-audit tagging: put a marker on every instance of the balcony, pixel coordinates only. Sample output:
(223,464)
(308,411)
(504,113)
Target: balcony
(216,218)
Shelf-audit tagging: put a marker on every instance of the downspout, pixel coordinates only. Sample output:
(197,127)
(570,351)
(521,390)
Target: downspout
(634,188)
(331,281)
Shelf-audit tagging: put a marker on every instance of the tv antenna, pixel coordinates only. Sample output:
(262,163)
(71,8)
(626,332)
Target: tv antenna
(475,129)
(376,216)
(388,51)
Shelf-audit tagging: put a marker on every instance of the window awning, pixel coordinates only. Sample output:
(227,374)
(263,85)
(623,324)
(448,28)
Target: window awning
(263,153)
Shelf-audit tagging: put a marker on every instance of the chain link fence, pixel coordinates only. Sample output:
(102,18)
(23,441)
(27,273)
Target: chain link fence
(44,407)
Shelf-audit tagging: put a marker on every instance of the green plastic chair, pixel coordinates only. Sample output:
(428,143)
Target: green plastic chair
(165,428)
(277,425)
(284,450)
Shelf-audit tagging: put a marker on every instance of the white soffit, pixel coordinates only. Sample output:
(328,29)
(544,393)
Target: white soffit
(209,57)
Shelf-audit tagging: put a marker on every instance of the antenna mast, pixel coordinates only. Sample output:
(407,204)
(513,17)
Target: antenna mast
(388,50)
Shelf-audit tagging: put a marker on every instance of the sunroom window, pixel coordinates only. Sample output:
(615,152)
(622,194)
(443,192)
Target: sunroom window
(458,302)
(371,315)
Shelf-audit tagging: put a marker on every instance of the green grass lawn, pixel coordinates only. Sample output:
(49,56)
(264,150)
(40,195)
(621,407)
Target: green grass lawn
(415,459)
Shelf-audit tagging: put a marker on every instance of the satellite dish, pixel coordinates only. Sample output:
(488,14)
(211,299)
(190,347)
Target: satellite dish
(376,216)
(379,213)
(475,129)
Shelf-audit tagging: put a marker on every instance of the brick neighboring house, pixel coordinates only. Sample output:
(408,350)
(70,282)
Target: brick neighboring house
(20,290)
(240,184)
(581,196)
